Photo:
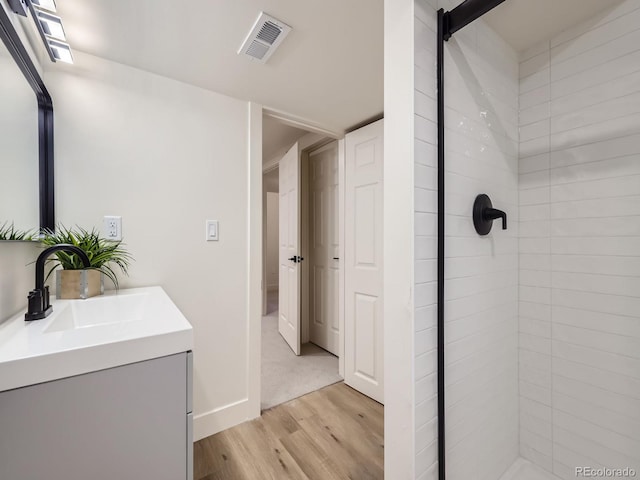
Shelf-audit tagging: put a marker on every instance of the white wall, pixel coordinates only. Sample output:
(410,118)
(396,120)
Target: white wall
(168,156)
(426,236)
(398,285)
(580,246)
(272,240)
(26,30)
(17,276)
(535,262)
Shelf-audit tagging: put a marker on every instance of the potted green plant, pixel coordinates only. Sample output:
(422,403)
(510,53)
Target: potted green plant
(106,256)
(9,232)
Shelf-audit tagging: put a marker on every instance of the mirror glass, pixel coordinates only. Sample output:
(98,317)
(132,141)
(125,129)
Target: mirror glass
(19,171)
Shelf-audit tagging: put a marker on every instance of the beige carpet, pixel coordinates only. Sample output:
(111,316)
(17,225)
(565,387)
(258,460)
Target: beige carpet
(286,376)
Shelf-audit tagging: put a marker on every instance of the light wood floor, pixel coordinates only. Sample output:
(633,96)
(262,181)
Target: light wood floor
(333,433)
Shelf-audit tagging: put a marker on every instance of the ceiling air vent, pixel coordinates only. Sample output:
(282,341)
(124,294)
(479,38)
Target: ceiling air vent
(263,39)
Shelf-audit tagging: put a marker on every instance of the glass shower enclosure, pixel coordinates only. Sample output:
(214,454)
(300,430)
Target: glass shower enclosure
(538,245)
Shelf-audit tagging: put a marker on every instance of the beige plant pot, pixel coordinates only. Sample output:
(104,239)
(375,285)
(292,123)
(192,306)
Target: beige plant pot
(71,284)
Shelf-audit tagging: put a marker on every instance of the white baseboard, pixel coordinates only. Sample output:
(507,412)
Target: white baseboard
(221,418)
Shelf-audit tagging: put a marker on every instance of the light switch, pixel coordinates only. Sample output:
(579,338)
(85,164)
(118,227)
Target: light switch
(212,231)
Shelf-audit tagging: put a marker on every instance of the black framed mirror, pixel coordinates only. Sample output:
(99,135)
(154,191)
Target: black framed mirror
(26,167)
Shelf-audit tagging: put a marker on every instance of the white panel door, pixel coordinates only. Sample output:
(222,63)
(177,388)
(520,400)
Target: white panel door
(364,347)
(289,251)
(324,329)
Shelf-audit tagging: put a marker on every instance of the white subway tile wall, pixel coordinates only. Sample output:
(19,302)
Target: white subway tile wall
(579,283)
(481,309)
(426,186)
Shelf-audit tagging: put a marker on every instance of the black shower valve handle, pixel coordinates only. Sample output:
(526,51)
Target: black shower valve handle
(484,214)
(494,213)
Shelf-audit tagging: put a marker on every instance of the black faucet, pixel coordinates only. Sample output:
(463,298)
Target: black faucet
(39,304)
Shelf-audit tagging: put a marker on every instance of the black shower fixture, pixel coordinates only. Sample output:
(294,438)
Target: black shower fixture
(484,214)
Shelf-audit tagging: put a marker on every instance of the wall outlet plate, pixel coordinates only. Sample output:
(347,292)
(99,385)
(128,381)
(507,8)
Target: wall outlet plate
(113,228)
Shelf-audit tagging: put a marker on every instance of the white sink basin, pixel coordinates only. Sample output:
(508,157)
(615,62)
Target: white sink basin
(98,311)
(83,336)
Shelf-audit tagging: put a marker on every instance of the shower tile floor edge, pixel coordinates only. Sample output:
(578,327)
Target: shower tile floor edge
(525,470)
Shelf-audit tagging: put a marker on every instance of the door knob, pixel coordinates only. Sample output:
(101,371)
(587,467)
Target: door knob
(294,259)
(336,258)
(484,214)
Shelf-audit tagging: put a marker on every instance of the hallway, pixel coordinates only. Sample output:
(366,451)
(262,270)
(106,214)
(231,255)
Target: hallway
(286,376)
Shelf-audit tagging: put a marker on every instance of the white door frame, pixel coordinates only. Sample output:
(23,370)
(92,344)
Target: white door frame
(341,230)
(266,169)
(257,287)
(307,143)
(255,252)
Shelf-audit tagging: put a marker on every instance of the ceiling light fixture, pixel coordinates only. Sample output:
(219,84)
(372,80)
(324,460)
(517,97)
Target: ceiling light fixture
(60,50)
(52,25)
(45,4)
(49,27)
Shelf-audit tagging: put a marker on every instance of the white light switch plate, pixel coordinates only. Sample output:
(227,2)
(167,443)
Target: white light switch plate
(113,228)
(212,231)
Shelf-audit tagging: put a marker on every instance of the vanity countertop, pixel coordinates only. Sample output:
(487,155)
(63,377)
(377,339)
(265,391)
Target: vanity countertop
(83,336)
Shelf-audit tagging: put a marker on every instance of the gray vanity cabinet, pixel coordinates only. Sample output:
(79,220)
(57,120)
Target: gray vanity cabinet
(128,423)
